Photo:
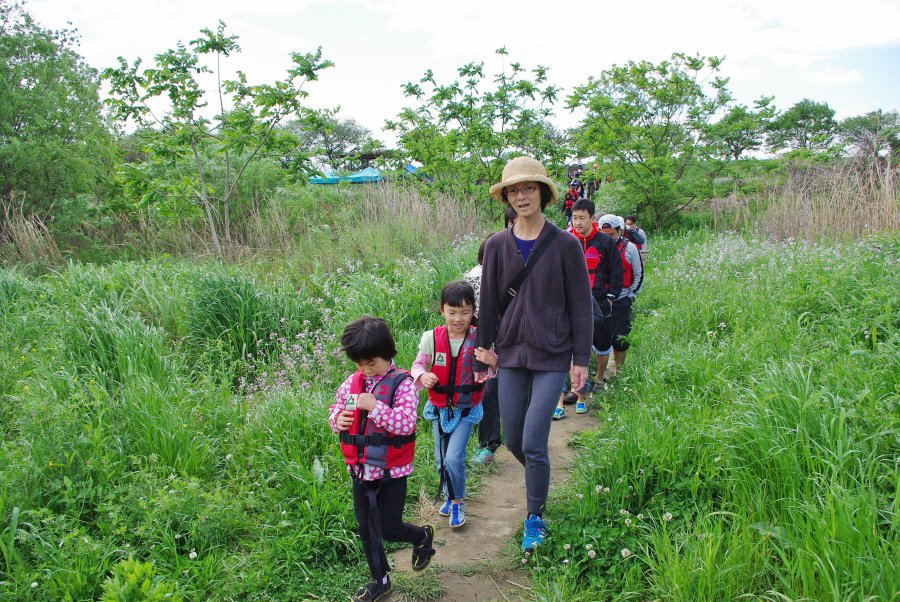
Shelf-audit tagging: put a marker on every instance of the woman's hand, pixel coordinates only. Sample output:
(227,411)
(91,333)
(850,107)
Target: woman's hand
(428,380)
(579,376)
(344,420)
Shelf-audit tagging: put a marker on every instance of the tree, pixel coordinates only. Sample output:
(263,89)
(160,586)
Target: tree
(654,126)
(808,127)
(743,129)
(241,134)
(871,134)
(333,141)
(463,134)
(54,142)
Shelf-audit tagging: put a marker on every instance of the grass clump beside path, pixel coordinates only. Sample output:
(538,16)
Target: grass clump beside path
(164,422)
(751,447)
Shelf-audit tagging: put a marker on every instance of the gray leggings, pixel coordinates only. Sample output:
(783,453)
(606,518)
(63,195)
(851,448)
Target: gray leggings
(527,400)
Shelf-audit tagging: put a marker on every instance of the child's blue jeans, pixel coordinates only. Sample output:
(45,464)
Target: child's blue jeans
(454,455)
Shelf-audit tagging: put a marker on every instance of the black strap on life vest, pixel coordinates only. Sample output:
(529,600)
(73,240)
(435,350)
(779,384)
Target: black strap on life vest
(377,439)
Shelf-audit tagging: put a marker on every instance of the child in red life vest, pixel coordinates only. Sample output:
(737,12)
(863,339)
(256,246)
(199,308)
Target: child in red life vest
(444,366)
(375,415)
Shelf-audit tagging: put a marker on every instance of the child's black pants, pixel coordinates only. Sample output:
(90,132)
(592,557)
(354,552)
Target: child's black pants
(391,498)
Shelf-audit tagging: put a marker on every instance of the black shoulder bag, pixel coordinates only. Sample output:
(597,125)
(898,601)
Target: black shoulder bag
(514,286)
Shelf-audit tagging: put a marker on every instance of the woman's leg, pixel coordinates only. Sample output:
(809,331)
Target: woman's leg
(515,392)
(436,431)
(545,388)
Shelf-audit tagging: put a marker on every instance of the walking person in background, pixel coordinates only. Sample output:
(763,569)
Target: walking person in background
(618,325)
(375,414)
(535,311)
(630,228)
(568,203)
(444,366)
(604,265)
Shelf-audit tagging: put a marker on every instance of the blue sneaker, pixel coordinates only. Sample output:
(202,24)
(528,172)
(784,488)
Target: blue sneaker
(559,414)
(581,408)
(457,514)
(535,531)
(445,508)
(483,456)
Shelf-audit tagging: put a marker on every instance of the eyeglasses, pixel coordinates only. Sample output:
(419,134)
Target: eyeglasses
(526,189)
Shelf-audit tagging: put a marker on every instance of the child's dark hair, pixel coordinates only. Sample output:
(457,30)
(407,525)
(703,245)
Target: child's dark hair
(457,294)
(584,205)
(509,215)
(367,338)
(631,218)
(481,249)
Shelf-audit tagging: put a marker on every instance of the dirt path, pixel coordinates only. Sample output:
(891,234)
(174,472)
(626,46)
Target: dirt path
(472,560)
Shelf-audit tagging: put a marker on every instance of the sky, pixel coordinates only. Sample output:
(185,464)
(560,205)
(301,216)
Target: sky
(844,53)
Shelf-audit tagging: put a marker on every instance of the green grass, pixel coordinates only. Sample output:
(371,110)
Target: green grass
(758,411)
(173,412)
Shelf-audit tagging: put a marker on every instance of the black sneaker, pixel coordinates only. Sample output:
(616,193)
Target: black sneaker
(569,398)
(421,554)
(373,590)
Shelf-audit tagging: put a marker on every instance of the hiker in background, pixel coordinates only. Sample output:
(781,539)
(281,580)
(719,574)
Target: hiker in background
(489,434)
(375,414)
(444,366)
(540,331)
(568,203)
(604,265)
(618,325)
(489,428)
(630,228)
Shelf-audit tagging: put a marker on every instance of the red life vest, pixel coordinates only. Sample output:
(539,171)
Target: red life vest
(628,276)
(463,393)
(627,237)
(376,446)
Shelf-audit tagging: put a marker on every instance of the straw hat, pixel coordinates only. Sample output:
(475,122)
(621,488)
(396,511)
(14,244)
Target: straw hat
(523,169)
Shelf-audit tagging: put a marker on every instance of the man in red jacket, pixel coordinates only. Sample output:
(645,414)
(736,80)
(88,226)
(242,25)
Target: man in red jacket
(604,264)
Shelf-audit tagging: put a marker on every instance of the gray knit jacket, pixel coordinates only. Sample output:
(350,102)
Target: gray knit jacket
(549,323)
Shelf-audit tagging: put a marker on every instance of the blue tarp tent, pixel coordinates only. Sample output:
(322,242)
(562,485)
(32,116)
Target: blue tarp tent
(412,169)
(369,174)
(331,177)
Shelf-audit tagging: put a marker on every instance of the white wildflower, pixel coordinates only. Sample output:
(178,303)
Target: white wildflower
(668,517)
(592,554)
(626,552)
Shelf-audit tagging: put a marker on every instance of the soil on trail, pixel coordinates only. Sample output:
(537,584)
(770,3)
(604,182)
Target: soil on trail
(473,560)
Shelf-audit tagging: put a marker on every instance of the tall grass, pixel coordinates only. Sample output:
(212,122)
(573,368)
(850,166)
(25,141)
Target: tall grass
(820,202)
(750,449)
(26,239)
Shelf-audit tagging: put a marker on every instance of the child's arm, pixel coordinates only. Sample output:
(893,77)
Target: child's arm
(339,418)
(487,357)
(421,368)
(400,419)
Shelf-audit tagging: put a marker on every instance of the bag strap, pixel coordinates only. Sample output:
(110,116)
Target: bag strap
(514,286)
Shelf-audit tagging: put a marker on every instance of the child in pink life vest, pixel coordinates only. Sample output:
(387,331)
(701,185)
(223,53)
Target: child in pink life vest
(444,366)
(375,415)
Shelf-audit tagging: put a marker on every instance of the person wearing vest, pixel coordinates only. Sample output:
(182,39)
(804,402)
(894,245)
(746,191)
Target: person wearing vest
(630,228)
(604,266)
(375,415)
(568,203)
(619,323)
(540,325)
(444,366)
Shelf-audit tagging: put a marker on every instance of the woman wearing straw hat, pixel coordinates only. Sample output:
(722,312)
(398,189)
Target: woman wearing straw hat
(540,327)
